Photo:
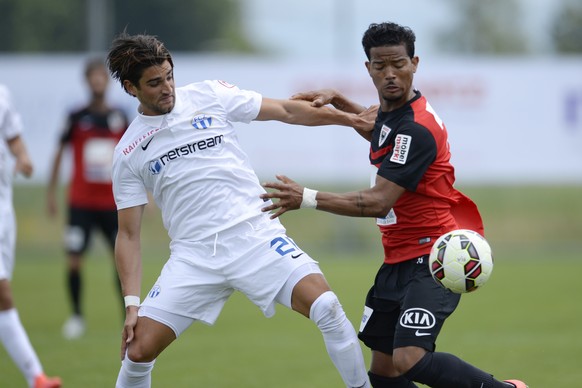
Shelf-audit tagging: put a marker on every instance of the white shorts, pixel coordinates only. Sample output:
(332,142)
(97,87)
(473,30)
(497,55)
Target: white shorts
(253,257)
(7,243)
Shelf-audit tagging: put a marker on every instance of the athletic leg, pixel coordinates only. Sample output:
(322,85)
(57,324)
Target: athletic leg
(150,339)
(14,337)
(313,298)
(16,341)
(77,236)
(421,314)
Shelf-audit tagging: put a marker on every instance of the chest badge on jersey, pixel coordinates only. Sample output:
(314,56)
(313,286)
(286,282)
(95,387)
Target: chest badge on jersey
(383,135)
(201,121)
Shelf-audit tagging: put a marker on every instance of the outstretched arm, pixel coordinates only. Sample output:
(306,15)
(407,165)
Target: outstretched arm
(303,113)
(323,97)
(373,202)
(330,96)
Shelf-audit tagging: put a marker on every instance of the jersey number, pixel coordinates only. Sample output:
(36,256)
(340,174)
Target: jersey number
(283,245)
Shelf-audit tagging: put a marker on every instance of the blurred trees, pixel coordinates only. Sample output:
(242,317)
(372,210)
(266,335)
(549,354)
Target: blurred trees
(62,25)
(487,27)
(567,28)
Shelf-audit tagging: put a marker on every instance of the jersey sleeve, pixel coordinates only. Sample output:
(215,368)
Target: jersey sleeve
(413,150)
(10,121)
(240,105)
(128,189)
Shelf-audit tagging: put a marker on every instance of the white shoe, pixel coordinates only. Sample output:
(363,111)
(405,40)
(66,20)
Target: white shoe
(74,328)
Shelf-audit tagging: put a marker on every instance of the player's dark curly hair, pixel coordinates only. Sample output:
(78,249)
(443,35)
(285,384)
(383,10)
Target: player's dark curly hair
(388,34)
(130,55)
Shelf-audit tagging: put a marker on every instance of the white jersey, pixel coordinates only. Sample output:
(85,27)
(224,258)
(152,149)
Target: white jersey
(10,127)
(191,161)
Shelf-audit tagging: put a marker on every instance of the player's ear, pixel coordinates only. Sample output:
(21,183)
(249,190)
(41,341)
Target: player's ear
(367,63)
(129,88)
(415,61)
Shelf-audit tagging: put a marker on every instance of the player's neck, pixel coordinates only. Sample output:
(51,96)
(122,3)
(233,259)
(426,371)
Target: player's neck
(98,104)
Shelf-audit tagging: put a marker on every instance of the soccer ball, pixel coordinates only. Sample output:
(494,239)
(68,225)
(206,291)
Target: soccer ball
(461,261)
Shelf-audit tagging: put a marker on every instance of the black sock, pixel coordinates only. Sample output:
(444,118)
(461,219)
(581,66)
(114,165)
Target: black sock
(75,290)
(443,370)
(390,382)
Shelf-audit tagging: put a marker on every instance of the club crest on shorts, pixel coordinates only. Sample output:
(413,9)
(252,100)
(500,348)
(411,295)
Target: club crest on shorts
(155,291)
(384,132)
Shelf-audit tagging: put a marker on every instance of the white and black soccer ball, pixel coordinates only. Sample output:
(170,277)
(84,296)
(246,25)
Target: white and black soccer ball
(461,261)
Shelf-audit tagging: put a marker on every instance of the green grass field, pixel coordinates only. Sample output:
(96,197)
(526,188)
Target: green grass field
(524,323)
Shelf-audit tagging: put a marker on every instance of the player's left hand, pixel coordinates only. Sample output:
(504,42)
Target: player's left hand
(317,97)
(24,166)
(288,192)
(369,115)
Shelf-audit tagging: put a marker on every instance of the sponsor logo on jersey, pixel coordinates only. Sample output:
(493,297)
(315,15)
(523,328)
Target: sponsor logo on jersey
(146,145)
(226,84)
(133,145)
(417,318)
(201,121)
(157,165)
(390,219)
(384,132)
(401,148)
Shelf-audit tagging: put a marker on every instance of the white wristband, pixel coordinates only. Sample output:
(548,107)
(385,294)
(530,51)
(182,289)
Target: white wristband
(131,300)
(309,200)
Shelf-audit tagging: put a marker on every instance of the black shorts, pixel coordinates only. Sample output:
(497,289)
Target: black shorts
(405,307)
(82,222)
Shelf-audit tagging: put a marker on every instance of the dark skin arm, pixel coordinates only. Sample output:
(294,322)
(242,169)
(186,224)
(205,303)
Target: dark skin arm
(373,202)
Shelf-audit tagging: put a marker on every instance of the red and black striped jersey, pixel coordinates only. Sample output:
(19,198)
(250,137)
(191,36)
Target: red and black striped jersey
(93,137)
(409,147)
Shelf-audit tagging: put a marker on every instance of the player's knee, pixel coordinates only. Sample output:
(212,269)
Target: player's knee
(138,353)
(327,312)
(405,358)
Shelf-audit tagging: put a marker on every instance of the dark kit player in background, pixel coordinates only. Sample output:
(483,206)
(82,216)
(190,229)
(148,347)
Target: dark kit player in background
(92,133)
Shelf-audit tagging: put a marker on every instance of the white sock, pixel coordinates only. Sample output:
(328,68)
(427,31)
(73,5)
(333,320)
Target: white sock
(340,339)
(16,342)
(135,374)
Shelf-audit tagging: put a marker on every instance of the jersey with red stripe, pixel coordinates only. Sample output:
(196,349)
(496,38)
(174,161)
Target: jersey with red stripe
(93,137)
(409,147)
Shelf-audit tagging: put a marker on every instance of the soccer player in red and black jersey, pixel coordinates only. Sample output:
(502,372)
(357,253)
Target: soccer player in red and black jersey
(414,202)
(92,133)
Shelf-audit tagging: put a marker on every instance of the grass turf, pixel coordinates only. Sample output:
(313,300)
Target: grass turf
(523,324)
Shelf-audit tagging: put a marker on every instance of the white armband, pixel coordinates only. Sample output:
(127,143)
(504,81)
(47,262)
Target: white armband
(309,200)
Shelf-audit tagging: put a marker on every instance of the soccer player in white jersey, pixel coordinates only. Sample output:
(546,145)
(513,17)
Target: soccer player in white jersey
(12,333)
(183,149)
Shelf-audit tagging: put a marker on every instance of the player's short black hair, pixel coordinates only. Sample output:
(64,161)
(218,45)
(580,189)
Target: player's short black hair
(388,34)
(130,55)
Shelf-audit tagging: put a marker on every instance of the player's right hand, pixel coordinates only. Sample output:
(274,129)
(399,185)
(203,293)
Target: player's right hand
(128,326)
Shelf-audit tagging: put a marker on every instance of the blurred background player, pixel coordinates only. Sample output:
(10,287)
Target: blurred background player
(12,333)
(414,201)
(92,133)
